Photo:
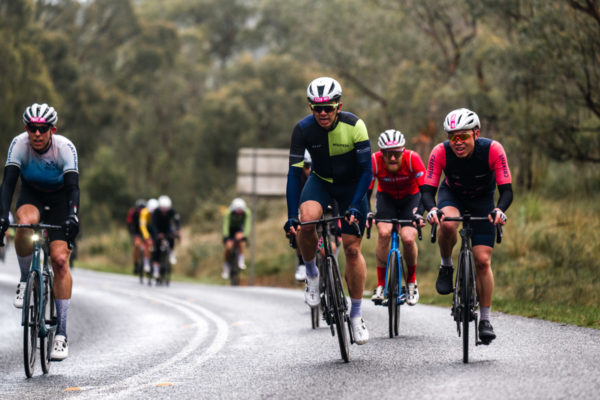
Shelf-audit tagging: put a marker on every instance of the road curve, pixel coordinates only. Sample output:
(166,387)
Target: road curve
(129,341)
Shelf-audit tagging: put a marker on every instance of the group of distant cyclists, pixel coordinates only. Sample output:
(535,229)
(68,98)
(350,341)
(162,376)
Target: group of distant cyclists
(150,222)
(343,170)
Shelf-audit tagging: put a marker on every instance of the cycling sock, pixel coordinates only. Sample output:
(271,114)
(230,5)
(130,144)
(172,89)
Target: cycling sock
(62,309)
(380,276)
(311,268)
(355,309)
(24,264)
(411,274)
(447,261)
(484,313)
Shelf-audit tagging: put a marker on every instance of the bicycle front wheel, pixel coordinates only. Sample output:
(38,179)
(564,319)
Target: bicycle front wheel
(336,289)
(30,322)
(465,297)
(393,292)
(47,342)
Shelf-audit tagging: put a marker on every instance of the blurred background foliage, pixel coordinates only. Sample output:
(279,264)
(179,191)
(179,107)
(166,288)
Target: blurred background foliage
(158,96)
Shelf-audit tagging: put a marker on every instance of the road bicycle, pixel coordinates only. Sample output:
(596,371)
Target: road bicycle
(232,261)
(395,271)
(164,259)
(465,303)
(333,298)
(39,318)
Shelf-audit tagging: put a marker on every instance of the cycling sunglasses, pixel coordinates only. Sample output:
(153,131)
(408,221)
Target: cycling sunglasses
(42,128)
(462,136)
(327,108)
(390,153)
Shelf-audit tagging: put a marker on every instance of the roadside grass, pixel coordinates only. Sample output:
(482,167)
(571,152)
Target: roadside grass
(547,266)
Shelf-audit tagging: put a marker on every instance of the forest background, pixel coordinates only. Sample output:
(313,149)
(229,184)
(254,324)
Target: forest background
(158,96)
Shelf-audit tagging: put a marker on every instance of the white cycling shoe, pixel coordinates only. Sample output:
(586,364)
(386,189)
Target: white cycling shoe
(413,294)
(300,274)
(60,350)
(311,292)
(359,330)
(377,295)
(18,302)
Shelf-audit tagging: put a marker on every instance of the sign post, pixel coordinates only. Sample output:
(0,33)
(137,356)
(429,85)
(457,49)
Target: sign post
(260,172)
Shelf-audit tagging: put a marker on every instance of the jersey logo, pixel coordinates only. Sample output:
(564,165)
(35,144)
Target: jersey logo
(420,174)
(453,121)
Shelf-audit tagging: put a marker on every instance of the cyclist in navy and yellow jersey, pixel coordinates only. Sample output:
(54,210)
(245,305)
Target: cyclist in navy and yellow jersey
(339,146)
(48,166)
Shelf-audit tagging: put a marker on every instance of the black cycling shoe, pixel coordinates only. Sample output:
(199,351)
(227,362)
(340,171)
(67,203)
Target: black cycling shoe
(486,332)
(443,284)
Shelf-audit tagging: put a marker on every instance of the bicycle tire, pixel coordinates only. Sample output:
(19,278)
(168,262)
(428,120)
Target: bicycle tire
(315,312)
(338,298)
(403,274)
(30,322)
(466,307)
(50,317)
(392,294)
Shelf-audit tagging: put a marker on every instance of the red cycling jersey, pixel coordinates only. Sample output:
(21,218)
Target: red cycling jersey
(404,182)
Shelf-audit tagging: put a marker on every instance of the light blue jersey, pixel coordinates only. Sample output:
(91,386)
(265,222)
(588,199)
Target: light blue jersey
(43,171)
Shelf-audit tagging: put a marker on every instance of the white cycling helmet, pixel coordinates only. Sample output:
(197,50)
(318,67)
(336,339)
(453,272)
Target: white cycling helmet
(152,205)
(391,139)
(164,202)
(238,204)
(461,119)
(40,114)
(323,90)
(307,157)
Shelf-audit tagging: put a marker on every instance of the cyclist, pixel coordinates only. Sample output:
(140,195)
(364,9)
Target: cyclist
(48,166)
(300,274)
(341,169)
(400,173)
(237,222)
(473,166)
(166,224)
(133,225)
(144,238)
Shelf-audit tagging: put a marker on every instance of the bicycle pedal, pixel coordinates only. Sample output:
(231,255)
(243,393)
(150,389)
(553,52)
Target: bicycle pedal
(377,302)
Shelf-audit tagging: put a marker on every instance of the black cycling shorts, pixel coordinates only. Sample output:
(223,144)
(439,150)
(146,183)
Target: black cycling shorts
(57,202)
(389,208)
(484,232)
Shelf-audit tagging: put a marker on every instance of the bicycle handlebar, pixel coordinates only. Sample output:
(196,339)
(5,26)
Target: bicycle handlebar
(469,218)
(331,219)
(395,221)
(36,226)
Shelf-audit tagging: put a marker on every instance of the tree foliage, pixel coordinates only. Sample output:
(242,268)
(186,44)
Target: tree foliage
(159,96)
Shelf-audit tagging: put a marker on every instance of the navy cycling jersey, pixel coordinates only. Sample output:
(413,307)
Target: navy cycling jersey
(341,155)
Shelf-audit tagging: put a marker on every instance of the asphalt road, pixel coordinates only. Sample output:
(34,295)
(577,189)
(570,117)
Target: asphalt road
(190,341)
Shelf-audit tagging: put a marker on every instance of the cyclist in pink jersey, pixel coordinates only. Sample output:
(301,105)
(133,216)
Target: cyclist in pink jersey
(399,173)
(473,166)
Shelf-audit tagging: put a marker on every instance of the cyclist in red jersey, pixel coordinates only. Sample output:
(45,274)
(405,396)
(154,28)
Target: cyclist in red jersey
(400,173)
(473,166)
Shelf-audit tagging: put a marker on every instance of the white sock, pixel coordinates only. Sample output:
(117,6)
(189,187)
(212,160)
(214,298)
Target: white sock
(24,264)
(484,313)
(447,261)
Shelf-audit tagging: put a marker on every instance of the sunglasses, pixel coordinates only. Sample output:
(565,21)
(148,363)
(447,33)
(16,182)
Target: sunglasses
(462,136)
(42,128)
(391,153)
(328,108)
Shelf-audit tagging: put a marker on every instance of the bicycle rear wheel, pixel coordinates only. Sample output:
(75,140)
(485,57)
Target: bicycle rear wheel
(30,322)
(47,342)
(465,295)
(392,293)
(336,289)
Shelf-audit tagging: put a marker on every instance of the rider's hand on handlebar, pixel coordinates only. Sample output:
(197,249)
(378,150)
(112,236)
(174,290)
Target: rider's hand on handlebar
(497,217)
(290,226)
(434,216)
(352,215)
(370,218)
(71,227)
(418,218)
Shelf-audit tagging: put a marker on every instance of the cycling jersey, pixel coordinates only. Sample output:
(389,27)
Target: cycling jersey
(43,171)
(339,156)
(237,222)
(165,222)
(471,177)
(402,183)
(144,222)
